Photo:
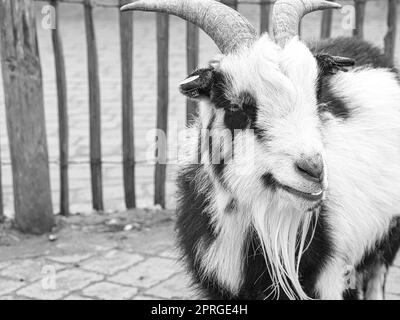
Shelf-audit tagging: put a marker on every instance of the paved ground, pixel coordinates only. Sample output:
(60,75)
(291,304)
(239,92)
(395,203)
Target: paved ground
(106,23)
(99,257)
(94,258)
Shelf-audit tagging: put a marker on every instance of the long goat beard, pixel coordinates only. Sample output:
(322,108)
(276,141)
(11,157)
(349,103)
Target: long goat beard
(284,238)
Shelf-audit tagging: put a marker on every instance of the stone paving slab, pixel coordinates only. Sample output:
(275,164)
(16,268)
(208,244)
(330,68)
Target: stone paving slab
(148,273)
(73,258)
(111,262)
(110,291)
(175,287)
(8,286)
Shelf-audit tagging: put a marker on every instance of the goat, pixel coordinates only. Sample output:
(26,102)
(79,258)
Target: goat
(308,188)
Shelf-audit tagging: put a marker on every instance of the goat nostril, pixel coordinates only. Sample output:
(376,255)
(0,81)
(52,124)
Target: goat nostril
(311,168)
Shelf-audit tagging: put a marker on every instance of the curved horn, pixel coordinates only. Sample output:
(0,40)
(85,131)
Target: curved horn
(287,15)
(227,27)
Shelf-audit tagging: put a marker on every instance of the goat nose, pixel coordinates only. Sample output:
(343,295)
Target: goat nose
(311,168)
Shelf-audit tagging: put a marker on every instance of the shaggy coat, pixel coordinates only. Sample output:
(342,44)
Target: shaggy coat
(243,232)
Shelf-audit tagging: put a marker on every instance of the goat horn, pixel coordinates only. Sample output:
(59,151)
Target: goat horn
(227,27)
(287,15)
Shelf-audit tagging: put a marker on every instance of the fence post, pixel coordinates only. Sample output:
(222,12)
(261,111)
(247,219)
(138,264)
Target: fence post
(23,90)
(192,58)
(265,15)
(162,106)
(390,38)
(326,23)
(360,15)
(62,112)
(94,110)
(128,150)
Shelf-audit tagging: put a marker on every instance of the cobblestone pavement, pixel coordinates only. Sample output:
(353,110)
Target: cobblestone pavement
(106,24)
(94,258)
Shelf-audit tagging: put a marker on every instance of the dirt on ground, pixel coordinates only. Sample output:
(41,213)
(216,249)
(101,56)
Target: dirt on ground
(84,230)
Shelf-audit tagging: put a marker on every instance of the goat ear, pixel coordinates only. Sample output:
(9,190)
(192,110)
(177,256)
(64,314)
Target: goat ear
(333,64)
(198,84)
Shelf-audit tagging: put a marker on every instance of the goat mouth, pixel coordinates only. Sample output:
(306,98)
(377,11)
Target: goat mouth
(315,196)
(271,182)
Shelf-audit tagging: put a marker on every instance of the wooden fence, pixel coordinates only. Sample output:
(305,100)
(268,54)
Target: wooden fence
(20,150)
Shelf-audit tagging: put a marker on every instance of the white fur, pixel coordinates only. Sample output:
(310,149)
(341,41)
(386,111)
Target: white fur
(331,283)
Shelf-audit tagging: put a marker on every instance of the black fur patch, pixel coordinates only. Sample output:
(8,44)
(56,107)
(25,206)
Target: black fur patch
(239,114)
(256,277)
(218,91)
(235,117)
(318,253)
(269,181)
(251,109)
(328,102)
(219,171)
